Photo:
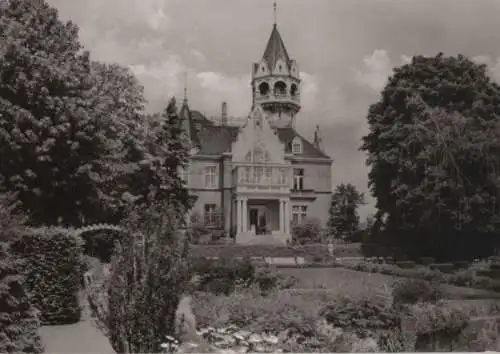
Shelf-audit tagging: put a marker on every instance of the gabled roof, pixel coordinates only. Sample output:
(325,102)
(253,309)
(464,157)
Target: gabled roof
(215,140)
(275,49)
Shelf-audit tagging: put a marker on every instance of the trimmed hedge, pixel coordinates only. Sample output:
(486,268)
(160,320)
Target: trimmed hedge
(54,264)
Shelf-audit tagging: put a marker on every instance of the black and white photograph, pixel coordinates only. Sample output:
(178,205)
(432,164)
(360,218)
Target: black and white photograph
(249,176)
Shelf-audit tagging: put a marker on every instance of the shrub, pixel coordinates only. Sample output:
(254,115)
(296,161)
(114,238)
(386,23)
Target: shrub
(461,265)
(54,260)
(308,232)
(149,274)
(443,267)
(19,322)
(438,326)
(363,316)
(405,264)
(18,319)
(427,260)
(412,291)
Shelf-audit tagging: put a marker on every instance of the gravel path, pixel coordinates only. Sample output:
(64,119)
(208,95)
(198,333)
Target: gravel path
(81,337)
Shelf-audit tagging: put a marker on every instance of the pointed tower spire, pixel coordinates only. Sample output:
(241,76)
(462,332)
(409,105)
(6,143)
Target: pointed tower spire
(185,87)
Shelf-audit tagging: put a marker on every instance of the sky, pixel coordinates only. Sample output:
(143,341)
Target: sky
(345,50)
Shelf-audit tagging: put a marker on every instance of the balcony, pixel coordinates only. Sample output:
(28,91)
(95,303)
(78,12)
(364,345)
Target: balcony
(304,194)
(261,177)
(277,97)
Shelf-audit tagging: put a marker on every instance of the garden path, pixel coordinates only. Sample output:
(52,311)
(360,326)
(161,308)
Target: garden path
(81,337)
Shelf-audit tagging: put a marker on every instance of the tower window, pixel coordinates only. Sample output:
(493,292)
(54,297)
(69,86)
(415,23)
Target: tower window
(280,88)
(293,90)
(279,67)
(264,88)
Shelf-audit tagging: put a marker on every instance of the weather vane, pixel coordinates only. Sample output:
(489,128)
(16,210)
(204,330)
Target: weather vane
(275,16)
(185,85)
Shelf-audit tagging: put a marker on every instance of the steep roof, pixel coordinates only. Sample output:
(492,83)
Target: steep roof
(275,49)
(215,140)
(188,124)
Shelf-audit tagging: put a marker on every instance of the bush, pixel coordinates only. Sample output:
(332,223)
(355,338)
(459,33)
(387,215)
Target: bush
(427,260)
(18,319)
(461,265)
(412,291)
(405,264)
(308,232)
(443,267)
(54,260)
(19,322)
(363,316)
(438,326)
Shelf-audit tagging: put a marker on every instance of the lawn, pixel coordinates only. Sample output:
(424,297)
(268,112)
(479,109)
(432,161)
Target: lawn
(353,283)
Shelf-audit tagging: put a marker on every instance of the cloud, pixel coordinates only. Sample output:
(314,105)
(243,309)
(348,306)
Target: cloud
(309,91)
(493,65)
(375,70)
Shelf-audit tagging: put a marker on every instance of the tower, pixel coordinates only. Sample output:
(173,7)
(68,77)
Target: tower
(276,82)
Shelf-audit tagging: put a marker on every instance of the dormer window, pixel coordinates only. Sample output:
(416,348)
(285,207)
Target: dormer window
(279,67)
(296,146)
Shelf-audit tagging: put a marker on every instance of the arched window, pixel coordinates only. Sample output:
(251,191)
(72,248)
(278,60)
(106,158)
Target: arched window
(296,146)
(293,90)
(264,88)
(280,88)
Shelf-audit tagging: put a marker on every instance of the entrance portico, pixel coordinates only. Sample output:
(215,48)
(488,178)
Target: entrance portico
(261,216)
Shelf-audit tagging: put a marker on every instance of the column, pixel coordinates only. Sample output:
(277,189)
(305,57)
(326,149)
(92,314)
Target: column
(282,215)
(245,214)
(238,215)
(287,216)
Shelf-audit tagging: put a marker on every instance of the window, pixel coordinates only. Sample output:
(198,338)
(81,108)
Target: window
(258,172)
(183,173)
(299,214)
(282,176)
(296,146)
(210,214)
(210,177)
(298,179)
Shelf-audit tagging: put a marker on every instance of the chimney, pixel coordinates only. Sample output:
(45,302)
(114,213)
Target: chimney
(224,113)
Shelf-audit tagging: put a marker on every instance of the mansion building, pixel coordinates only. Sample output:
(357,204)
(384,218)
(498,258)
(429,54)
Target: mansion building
(258,178)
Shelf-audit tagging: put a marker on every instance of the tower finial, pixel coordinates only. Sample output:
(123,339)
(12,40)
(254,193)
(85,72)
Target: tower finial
(275,15)
(185,86)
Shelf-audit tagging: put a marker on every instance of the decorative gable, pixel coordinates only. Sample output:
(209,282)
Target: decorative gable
(257,142)
(281,68)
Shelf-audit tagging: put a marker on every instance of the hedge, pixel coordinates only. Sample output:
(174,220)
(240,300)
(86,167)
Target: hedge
(53,271)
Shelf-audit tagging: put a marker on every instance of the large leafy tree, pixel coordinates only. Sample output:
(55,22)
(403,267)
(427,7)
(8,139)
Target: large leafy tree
(75,143)
(434,153)
(344,219)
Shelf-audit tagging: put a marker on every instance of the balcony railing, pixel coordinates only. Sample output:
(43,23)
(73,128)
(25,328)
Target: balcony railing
(262,176)
(278,97)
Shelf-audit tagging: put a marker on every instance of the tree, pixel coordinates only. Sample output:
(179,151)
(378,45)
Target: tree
(19,321)
(149,274)
(166,150)
(344,219)
(433,151)
(70,128)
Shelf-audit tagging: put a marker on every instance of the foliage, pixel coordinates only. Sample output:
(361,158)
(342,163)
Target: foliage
(54,260)
(75,130)
(224,276)
(412,291)
(19,321)
(197,227)
(363,315)
(433,151)
(100,244)
(438,326)
(308,232)
(149,274)
(344,219)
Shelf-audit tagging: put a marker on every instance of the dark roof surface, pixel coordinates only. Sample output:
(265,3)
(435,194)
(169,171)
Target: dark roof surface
(216,140)
(275,49)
